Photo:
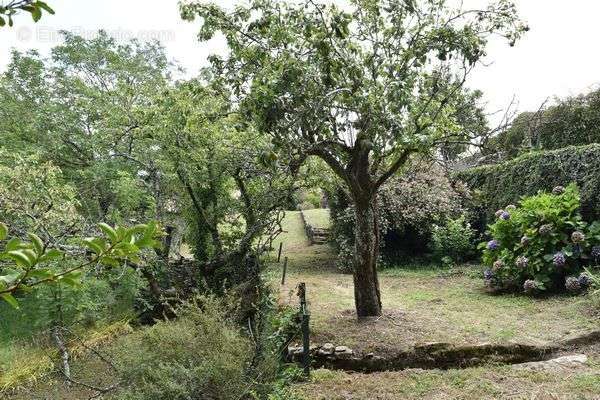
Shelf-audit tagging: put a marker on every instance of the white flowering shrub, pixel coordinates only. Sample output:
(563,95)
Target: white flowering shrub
(410,206)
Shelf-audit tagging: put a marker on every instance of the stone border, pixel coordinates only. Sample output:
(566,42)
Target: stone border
(437,355)
(315,235)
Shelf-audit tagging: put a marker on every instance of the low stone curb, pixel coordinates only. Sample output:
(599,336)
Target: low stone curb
(437,355)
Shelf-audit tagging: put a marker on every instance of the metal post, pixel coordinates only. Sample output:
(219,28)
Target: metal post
(280,248)
(285,261)
(305,329)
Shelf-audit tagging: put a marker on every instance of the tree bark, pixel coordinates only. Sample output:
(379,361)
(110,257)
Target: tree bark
(367,296)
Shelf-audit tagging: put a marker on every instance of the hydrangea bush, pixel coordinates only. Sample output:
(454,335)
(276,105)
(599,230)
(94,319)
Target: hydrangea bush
(542,245)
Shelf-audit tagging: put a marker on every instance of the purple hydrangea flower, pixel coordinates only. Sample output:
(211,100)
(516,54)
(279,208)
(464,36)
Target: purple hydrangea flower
(525,240)
(522,262)
(499,213)
(493,245)
(584,280)
(559,259)
(577,237)
(596,252)
(488,274)
(529,286)
(558,190)
(505,215)
(572,284)
(545,229)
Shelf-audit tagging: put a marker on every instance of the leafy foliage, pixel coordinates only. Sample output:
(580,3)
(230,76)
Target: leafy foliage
(26,264)
(410,206)
(200,355)
(453,241)
(505,183)
(537,245)
(571,121)
(34,197)
(363,88)
(34,7)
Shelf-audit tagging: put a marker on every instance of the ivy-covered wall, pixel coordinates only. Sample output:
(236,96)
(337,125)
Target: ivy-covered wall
(502,184)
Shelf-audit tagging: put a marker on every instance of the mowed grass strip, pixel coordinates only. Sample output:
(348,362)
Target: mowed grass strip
(490,382)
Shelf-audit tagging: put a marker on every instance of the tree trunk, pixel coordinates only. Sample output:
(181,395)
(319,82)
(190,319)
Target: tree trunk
(367,296)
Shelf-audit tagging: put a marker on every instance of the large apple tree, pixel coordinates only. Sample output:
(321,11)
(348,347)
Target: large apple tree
(364,86)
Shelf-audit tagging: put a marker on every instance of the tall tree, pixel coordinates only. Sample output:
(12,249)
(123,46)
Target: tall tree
(363,87)
(232,187)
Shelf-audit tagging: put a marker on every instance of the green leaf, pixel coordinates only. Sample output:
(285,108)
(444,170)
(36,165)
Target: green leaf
(10,278)
(110,261)
(20,258)
(93,245)
(31,255)
(52,254)
(3,227)
(108,231)
(13,244)
(41,274)
(2,22)
(36,14)
(38,244)
(72,279)
(10,300)
(43,5)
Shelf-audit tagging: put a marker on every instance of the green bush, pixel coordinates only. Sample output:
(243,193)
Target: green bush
(542,245)
(453,240)
(506,183)
(201,355)
(594,277)
(409,206)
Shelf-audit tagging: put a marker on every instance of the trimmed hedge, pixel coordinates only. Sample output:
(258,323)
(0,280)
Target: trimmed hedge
(506,183)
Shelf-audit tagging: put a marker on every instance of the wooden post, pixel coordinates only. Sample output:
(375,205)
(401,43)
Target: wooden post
(285,261)
(305,329)
(280,248)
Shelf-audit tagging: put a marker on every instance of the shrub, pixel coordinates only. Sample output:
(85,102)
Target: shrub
(454,240)
(540,245)
(409,207)
(593,278)
(201,355)
(506,183)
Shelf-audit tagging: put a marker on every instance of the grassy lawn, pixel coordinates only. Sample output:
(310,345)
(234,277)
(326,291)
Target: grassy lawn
(429,304)
(490,382)
(317,218)
(422,304)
